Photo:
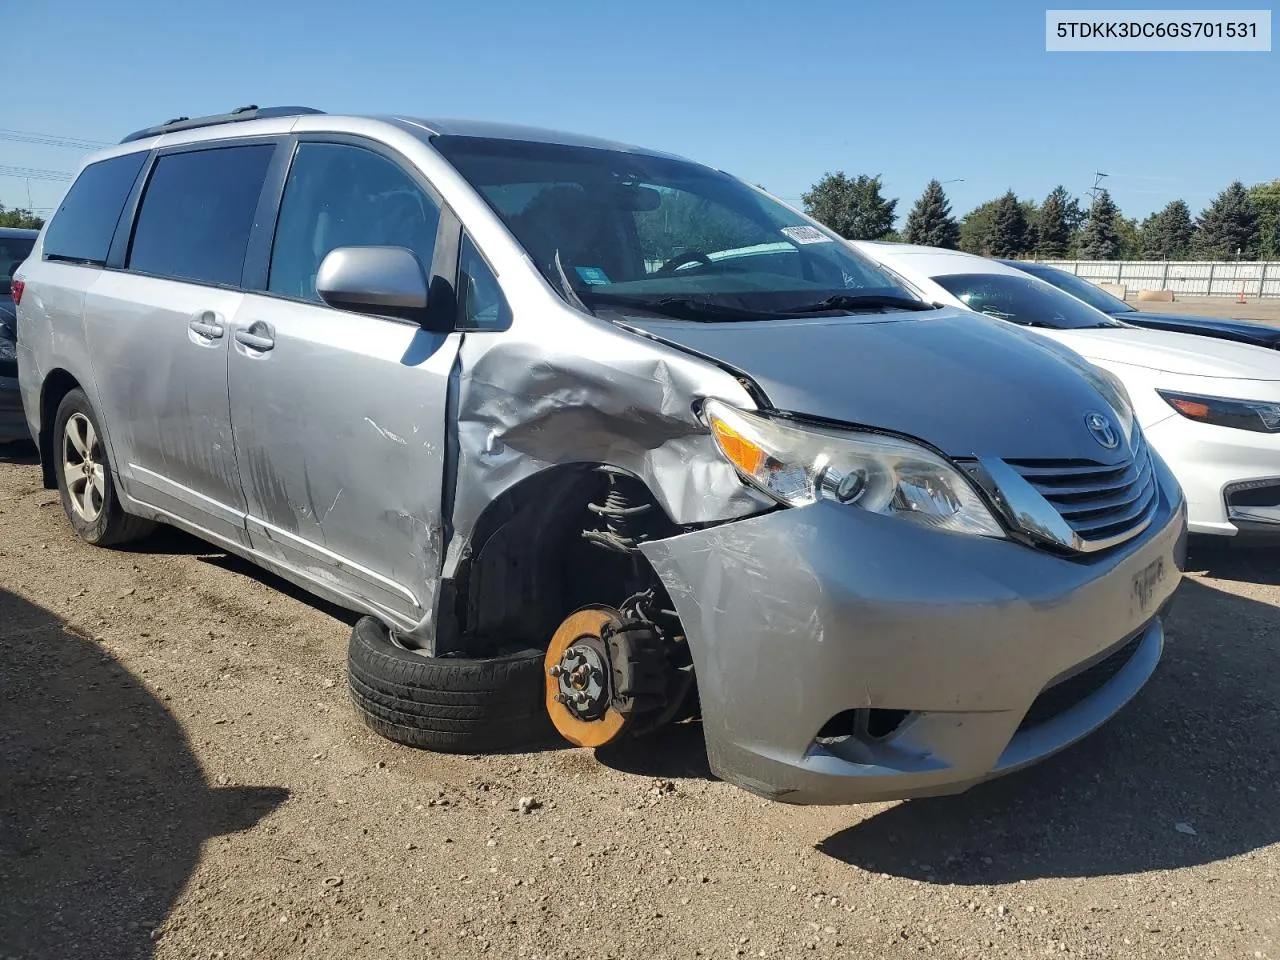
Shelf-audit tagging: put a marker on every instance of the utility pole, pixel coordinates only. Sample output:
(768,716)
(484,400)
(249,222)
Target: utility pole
(1097,188)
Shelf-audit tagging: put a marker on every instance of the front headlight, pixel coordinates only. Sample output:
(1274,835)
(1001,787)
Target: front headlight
(798,465)
(1258,416)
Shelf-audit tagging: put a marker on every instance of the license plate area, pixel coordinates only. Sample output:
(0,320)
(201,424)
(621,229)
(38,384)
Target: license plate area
(1147,583)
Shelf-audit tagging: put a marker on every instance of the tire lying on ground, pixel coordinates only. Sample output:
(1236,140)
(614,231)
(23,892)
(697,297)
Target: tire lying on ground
(446,704)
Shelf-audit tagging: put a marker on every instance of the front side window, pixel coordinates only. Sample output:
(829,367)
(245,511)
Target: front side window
(82,228)
(344,196)
(1023,300)
(481,305)
(197,212)
(13,250)
(663,234)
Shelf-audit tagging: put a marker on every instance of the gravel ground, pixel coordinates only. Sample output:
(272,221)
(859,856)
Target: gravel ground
(181,776)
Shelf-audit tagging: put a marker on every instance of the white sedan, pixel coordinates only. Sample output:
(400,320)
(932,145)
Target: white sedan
(1210,408)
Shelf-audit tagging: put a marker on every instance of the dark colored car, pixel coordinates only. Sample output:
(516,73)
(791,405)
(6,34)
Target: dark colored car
(1242,331)
(15,246)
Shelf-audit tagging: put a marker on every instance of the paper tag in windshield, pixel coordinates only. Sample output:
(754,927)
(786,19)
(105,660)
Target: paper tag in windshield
(592,275)
(804,234)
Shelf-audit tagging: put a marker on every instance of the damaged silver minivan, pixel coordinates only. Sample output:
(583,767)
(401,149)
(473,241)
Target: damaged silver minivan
(601,439)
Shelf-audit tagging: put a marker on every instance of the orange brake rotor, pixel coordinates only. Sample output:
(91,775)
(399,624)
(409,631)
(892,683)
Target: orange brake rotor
(584,733)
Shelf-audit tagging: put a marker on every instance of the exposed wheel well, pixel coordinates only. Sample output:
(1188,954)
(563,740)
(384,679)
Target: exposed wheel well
(56,386)
(529,566)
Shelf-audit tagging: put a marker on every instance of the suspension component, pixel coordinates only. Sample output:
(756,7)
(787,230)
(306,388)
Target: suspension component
(625,513)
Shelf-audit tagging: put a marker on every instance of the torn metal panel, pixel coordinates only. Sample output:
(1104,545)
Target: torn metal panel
(560,387)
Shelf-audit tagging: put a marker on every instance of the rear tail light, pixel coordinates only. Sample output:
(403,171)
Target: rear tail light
(18,286)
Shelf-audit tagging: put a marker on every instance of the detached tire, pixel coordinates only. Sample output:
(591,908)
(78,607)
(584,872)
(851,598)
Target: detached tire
(446,704)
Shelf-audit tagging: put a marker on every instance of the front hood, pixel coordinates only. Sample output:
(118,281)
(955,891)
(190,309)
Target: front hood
(969,385)
(1181,353)
(1251,330)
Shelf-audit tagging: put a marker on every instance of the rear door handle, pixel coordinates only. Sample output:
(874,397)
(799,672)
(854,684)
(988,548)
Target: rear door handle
(206,325)
(256,337)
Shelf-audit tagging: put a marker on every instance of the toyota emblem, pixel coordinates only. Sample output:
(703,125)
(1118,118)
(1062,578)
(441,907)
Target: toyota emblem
(1102,430)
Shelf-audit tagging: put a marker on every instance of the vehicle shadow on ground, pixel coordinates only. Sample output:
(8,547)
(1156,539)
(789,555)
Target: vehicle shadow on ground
(1195,751)
(674,751)
(103,805)
(172,542)
(19,451)
(1241,562)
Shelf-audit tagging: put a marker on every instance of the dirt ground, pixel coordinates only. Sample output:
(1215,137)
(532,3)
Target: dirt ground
(181,776)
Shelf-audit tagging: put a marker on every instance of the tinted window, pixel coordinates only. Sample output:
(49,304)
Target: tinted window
(1090,293)
(659,233)
(1024,300)
(481,305)
(13,250)
(86,220)
(197,212)
(344,196)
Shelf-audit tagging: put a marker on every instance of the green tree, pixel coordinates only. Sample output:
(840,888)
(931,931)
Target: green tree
(1010,233)
(1266,200)
(1167,233)
(1057,220)
(975,228)
(1228,224)
(23,219)
(1100,240)
(852,207)
(930,222)
(997,228)
(1130,235)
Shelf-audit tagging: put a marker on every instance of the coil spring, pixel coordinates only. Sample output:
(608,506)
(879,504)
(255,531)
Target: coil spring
(624,527)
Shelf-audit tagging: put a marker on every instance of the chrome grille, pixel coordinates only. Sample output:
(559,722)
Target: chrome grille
(1102,504)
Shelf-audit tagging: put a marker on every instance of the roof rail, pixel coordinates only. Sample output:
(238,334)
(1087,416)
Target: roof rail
(251,112)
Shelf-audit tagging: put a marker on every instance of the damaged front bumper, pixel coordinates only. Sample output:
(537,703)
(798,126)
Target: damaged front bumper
(844,656)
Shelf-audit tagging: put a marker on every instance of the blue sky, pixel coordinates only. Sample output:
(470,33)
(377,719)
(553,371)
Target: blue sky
(776,93)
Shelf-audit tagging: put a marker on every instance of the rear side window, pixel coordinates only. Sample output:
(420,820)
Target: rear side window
(82,228)
(197,213)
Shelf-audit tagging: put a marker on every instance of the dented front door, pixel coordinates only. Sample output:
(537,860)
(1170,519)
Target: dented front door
(339,426)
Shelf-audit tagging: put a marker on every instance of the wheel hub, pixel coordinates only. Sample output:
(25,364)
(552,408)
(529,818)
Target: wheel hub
(582,675)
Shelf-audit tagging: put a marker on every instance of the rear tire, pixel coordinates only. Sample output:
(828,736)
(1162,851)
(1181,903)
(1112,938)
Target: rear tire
(86,482)
(445,704)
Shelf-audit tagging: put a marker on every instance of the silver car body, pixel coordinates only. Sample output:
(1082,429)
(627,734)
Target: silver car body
(368,459)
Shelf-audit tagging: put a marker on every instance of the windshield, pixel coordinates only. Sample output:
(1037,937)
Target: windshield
(1024,300)
(666,235)
(13,250)
(1090,293)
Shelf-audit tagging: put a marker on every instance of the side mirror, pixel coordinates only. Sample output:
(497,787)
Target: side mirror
(385,281)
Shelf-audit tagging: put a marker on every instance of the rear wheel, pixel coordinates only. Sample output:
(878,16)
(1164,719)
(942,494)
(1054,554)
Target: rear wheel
(85,483)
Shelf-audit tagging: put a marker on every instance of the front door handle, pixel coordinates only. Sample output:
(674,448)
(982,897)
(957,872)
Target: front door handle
(206,326)
(258,336)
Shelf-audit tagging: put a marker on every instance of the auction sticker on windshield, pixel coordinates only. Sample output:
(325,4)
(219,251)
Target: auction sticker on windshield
(805,234)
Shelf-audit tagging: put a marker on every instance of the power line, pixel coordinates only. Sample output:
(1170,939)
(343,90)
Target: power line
(32,173)
(52,140)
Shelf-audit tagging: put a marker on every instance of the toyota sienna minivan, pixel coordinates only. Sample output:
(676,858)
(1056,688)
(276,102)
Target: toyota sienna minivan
(599,439)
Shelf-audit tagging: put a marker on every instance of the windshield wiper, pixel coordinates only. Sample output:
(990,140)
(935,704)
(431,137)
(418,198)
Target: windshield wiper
(866,301)
(683,308)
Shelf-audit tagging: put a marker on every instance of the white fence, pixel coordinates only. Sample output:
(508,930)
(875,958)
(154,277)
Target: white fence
(1190,278)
